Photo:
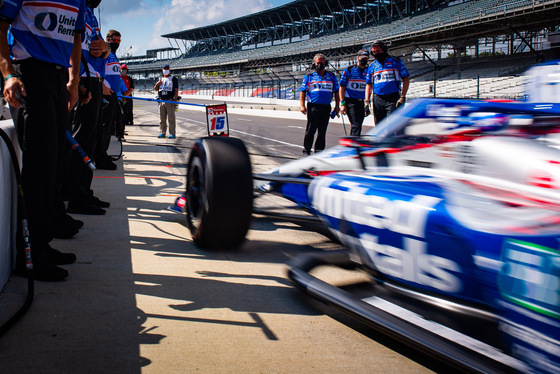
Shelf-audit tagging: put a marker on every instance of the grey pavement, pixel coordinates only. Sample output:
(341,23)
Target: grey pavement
(142,298)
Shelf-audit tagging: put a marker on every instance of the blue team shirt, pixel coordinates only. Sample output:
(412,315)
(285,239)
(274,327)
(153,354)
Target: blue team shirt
(121,90)
(319,88)
(113,72)
(96,64)
(44,29)
(386,77)
(355,82)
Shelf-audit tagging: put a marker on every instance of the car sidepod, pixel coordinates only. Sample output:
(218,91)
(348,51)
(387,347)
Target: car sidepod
(397,228)
(439,238)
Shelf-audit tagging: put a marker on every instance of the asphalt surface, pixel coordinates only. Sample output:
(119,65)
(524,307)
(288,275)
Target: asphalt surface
(142,298)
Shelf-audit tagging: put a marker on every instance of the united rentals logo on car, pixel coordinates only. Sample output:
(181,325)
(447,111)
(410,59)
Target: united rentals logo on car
(352,202)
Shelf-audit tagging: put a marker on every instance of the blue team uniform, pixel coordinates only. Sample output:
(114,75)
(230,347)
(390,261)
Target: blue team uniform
(354,79)
(113,73)
(96,64)
(319,89)
(44,29)
(43,37)
(386,78)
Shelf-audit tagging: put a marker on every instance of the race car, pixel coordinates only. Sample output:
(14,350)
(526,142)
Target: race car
(451,206)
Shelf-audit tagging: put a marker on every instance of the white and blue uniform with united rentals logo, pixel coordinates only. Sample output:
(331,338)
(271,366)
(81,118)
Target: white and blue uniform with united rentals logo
(111,114)
(319,88)
(113,73)
(354,80)
(44,30)
(96,64)
(43,36)
(386,77)
(319,91)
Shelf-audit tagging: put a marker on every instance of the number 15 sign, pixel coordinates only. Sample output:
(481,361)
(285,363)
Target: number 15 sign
(217,120)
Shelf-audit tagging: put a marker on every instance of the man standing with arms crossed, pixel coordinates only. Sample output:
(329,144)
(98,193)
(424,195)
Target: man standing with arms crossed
(41,89)
(352,92)
(384,78)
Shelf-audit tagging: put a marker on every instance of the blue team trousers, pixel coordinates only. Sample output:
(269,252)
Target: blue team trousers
(41,126)
(317,121)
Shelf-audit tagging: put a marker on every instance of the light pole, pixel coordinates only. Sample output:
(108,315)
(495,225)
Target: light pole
(125,52)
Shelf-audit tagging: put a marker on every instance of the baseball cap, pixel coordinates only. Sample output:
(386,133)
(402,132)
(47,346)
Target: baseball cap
(363,52)
(166,66)
(123,66)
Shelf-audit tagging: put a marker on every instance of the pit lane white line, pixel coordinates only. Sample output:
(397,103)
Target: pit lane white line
(265,138)
(192,120)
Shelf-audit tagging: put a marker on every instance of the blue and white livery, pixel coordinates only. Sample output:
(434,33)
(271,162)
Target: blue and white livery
(451,206)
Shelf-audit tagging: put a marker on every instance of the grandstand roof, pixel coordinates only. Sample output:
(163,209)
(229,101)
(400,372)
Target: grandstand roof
(427,24)
(293,13)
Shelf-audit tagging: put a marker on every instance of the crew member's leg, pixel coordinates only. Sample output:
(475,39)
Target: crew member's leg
(80,175)
(41,125)
(323,116)
(356,114)
(310,128)
(162,119)
(171,116)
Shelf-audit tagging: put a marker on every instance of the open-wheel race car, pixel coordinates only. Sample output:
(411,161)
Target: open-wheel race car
(451,206)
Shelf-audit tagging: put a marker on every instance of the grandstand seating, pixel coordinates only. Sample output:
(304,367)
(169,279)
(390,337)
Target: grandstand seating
(483,77)
(446,17)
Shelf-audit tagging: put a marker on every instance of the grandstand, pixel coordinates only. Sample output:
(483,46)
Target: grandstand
(463,48)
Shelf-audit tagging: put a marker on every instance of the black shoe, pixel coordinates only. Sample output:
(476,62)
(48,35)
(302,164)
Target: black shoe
(90,209)
(106,165)
(306,152)
(101,203)
(62,231)
(74,222)
(44,271)
(59,258)
(65,227)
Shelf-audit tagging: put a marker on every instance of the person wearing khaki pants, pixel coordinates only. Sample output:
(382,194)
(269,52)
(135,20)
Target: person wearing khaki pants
(168,89)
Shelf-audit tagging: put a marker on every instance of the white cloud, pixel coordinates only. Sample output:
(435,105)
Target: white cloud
(143,22)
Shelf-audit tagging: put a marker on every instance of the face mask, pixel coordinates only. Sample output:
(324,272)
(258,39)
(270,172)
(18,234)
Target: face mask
(165,72)
(319,67)
(93,3)
(380,56)
(114,46)
(362,62)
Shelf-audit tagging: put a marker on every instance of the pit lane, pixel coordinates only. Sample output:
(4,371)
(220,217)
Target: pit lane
(144,298)
(273,141)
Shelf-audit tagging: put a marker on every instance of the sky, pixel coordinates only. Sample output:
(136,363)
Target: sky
(142,22)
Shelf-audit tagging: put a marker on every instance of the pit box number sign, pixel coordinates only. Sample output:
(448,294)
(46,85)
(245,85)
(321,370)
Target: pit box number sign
(217,120)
